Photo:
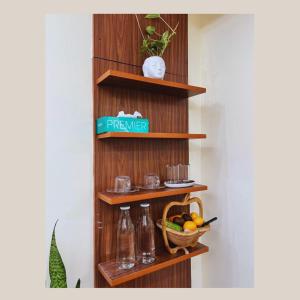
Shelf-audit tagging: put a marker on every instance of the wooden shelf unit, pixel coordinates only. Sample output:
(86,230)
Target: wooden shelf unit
(128,80)
(118,86)
(113,199)
(150,135)
(114,276)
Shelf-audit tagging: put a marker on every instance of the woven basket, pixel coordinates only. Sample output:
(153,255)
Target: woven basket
(181,239)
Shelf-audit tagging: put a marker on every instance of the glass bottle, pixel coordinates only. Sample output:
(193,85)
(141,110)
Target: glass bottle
(145,236)
(125,240)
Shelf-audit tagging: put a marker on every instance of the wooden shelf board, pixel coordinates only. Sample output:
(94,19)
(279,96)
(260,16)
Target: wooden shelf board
(112,198)
(115,277)
(128,80)
(151,135)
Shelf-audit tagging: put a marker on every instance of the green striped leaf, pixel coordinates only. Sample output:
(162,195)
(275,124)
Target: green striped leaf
(57,269)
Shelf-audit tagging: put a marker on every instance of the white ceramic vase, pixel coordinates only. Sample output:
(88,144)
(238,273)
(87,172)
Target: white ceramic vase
(154,67)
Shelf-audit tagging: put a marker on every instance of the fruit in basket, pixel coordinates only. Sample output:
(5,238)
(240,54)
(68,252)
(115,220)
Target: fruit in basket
(173,226)
(186,217)
(189,226)
(173,217)
(198,221)
(194,215)
(178,220)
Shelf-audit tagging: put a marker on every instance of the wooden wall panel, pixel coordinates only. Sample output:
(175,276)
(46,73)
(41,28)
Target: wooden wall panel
(123,43)
(136,157)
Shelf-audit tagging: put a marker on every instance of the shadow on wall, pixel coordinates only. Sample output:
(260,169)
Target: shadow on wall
(204,20)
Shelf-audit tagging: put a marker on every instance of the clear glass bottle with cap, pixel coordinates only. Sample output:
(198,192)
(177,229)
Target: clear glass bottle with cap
(145,245)
(125,240)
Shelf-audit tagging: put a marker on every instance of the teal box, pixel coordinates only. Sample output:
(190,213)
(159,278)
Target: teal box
(121,124)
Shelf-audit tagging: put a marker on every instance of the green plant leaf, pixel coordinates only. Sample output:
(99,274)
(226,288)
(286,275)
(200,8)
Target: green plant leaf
(150,29)
(144,46)
(57,269)
(157,44)
(152,16)
(78,283)
(165,36)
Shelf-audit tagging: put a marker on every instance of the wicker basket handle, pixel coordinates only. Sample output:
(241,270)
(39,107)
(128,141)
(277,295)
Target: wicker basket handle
(186,201)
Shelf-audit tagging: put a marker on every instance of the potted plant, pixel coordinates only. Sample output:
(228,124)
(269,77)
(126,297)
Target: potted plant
(154,45)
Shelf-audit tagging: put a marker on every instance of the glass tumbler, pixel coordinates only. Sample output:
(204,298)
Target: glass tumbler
(186,172)
(122,184)
(183,172)
(169,173)
(151,181)
(173,173)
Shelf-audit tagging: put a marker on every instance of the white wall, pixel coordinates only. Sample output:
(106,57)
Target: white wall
(69,146)
(221,59)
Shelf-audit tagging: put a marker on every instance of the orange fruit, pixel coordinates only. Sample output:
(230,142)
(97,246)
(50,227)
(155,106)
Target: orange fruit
(194,215)
(198,221)
(189,226)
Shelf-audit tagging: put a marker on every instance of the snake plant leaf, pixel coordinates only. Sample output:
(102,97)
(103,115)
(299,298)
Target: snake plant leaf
(57,269)
(78,283)
(150,29)
(152,16)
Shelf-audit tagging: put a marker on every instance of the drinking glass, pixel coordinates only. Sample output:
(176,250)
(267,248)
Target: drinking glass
(122,184)
(172,173)
(186,172)
(169,173)
(177,173)
(151,181)
(183,172)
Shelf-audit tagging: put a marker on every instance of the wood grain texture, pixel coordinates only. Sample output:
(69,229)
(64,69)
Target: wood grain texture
(115,276)
(151,135)
(114,199)
(135,157)
(117,38)
(151,85)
